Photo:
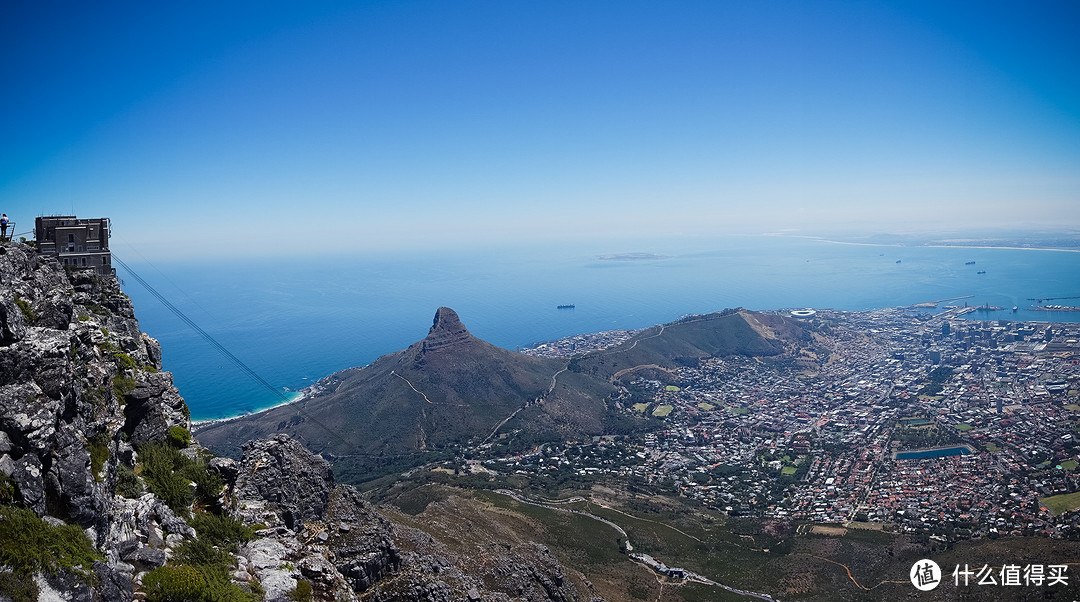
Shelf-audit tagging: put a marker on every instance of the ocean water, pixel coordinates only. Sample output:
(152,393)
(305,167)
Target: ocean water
(295,321)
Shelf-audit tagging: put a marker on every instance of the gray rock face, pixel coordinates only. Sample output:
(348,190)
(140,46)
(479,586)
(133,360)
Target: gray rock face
(446,329)
(153,407)
(284,473)
(71,353)
(360,539)
(12,322)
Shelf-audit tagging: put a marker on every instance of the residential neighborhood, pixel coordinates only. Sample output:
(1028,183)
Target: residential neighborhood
(913,421)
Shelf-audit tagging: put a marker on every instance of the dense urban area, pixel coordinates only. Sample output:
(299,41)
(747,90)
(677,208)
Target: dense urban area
(904,419)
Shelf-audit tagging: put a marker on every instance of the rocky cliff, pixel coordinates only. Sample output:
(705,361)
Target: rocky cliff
(105,496)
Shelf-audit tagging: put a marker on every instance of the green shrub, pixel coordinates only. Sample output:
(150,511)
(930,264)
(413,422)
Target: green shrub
(161,466)
(127,483)
(124,360)
(302,593)
(168,474)
(27,311)
(18,588)
(99,454)
(174,584)
(7,489)
(186,583)
(222,531)
(179,436)
(30,545)
(122,385)
(212,562)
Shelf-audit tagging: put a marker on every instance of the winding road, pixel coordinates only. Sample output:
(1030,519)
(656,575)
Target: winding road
(690,576)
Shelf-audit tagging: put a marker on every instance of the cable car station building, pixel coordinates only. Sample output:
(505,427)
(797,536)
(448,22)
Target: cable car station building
(75,242)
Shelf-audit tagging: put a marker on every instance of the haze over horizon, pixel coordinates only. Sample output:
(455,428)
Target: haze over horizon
(270,128)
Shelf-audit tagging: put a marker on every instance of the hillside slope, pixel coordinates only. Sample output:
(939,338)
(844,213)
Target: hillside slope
(452,388)
(448,388)
(729,332)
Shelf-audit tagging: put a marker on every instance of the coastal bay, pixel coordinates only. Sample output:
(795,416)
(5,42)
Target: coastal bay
(296,320)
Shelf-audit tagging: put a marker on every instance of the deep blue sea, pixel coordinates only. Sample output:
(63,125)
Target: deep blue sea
(294,321)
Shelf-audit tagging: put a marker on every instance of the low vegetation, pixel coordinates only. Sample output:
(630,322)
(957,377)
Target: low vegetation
(99,455)
(302,592)
(127,482)
(122,385)
(200,569)
(169,474)
(27,311)
(179,437)
(29,545)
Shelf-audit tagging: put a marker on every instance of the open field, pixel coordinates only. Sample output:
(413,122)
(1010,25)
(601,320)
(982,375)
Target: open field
(1061,503)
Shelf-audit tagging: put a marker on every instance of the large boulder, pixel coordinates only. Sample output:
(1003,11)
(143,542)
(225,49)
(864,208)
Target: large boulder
(281,471)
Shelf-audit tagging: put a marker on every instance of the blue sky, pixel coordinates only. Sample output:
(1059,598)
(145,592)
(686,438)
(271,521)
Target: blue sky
(270,127)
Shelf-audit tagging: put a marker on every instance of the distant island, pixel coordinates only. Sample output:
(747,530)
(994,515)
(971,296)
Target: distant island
(994,239)
(631,257)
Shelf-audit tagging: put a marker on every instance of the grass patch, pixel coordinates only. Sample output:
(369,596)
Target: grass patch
(963,427)
(1069,465)
(788,470)
(992,448)
(671,389)
(1061,503)
(706,407)
(662,411)
(641,407)
(739,411)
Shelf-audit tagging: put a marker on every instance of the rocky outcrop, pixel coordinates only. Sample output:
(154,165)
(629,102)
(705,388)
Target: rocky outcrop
(71,357)
(79,385)
(284,473)
(315,530)
(342,539)
(446,330)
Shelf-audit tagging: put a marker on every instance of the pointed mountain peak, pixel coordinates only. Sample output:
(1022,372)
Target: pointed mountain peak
(446,329)
(446,320)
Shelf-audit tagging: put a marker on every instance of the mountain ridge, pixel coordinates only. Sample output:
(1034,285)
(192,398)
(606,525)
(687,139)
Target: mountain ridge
(452,388)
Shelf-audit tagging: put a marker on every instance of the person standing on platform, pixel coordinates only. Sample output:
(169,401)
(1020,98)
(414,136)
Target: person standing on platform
(3,226)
